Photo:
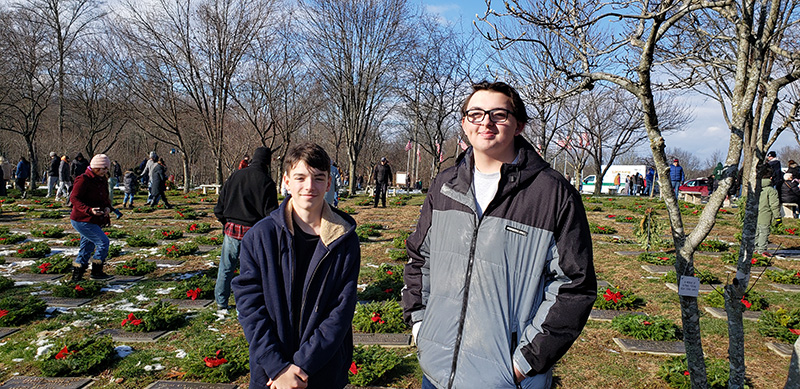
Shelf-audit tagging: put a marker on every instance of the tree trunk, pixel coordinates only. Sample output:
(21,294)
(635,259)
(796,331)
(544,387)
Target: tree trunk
(187,182)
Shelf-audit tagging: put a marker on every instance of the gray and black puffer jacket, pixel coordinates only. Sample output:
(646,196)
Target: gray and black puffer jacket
(512,288)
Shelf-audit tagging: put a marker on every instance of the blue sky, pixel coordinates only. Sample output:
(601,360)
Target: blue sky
(706,134)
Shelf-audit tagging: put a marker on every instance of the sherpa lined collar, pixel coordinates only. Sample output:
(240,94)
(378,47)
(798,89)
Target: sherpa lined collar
(332,226)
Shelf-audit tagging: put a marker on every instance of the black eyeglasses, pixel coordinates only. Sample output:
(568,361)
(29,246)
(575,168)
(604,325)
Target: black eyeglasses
(497,115)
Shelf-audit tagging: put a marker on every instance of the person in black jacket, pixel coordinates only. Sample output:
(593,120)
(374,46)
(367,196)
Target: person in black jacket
(383,177)
(78,166)
(52,174)
(248,196)
(790,192)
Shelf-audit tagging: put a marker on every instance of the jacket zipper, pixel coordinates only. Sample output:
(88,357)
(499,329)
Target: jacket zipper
(303,305)
(464,300)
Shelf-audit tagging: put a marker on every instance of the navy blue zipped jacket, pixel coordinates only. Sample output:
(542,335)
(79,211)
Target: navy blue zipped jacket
(323,344)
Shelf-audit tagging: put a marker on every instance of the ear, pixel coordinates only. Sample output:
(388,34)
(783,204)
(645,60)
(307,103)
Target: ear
(286,179)
(330,179)
(518,130)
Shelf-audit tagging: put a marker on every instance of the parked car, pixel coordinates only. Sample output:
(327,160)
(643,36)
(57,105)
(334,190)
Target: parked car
(698,185)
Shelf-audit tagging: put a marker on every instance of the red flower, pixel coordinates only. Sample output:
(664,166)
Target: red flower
(686,372)
(794,331)
(193,293)
(353,368)
(3,312)
(44,267)
(79,288)
(215,361)
(746,303)
(615,297)
(389,272)
(647,323)
(63,353)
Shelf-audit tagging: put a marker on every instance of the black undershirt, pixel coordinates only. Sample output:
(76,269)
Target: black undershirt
(304,247)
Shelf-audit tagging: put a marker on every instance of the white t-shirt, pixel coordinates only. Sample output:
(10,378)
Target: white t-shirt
(485,187)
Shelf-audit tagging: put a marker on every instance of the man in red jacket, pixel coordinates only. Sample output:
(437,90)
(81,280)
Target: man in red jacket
(90,210)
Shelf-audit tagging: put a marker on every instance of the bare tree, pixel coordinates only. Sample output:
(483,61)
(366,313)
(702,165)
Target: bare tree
(28,82)
(204,45)
(357,49)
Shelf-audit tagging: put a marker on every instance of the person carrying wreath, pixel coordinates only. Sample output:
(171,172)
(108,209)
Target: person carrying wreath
(90,212)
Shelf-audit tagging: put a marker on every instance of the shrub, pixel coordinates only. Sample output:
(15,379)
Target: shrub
(781,324)
(400,241)
(209,240)
(370,364)
(82,289)
(32,250)
(398,255)
(56,264)
(168,234)
(178,249)
(705,276)
(185,213)
(198,228)
(657,258)
(20,309)
(162,316)
(387,284)
(646,327)
(714,245)
(135,267)
(617,299)
(364,232)
(196,287)
(72,240)
(783,276)
(752,301)
(11,238)
(675,372)
(114,250)
(78,357)
(221,361)
(598,229)
(379,317)
(48,232)
(50,215)
(141,241)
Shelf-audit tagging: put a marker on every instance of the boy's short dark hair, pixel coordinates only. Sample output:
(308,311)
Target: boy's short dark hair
(764,171)
(311,153)
(520,113)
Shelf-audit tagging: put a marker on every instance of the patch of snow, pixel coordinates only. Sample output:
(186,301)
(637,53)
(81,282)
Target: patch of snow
(165,290)
(180,354)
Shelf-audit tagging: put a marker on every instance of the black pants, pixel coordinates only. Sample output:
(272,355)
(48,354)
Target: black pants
(380,193)
(3,188)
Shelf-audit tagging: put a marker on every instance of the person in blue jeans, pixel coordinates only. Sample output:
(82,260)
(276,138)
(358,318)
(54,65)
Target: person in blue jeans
(90,212)
(248,196)
(676,176)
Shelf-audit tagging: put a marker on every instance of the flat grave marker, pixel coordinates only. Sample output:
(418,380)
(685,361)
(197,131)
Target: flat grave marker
(720,313)
(782,349)
(610,314)
(786,287)
(603,284)
(188,303)
(65,302)
(709,253)
(134,337)
(46,382)
(117,279)
(658,269)
(704,288)
(6,331)
(650,346)
(387,340)
(34,277)
(628,252)
(188,385)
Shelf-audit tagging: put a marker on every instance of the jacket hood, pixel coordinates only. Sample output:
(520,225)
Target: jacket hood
(334,223)
(79,156)
(261,158)
(527,164)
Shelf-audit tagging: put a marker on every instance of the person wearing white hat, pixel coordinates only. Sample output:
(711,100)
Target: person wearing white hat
(90,212)
(52,174)
(6,167)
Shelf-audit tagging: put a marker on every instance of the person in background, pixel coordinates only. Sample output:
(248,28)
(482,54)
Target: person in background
(717,173)
(296,292)
(777,172)
(768,208)
(649,178)
(248,196)
(790,192)
(676,176)
(793,168)
(7,170)
(78,166)
(64,179)
(22,174)
(245,162)
(158,183)
(500,278)
(332,195)
(131,183)
(90,212)
(148,172)
(115,174)
(383,178)
(52,174)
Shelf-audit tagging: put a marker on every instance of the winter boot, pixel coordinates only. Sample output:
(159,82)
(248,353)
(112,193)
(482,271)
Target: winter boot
(77,273)
(97,271)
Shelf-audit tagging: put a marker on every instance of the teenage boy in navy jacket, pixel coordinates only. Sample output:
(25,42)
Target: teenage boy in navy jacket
(296,292)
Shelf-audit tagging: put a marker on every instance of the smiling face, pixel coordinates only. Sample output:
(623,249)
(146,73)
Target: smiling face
(495,140)
(307,185)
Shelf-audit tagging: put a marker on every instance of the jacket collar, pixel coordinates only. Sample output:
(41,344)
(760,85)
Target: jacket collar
(333,225)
